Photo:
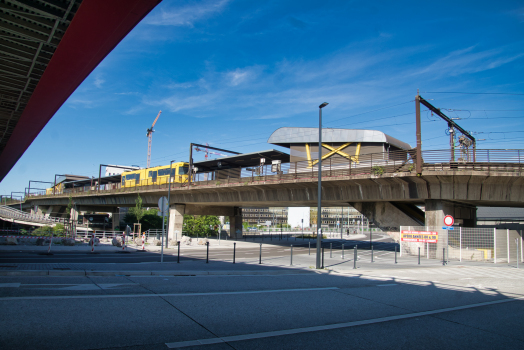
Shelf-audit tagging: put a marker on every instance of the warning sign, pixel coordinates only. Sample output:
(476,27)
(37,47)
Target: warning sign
(419,236)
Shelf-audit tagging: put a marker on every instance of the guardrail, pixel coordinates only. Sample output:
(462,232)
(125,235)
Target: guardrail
(8,212)
(510,160)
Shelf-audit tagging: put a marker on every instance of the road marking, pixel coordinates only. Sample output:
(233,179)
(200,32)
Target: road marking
(251,336)
(9,285)
(164,295)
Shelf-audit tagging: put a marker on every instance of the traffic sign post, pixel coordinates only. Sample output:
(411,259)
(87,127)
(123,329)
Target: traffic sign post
(162,205)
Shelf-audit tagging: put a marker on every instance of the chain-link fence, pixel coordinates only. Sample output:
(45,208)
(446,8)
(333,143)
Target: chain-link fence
(463,243)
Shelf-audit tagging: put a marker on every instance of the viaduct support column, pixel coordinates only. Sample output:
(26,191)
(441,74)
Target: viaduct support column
(464,215)
(176,221)
(49,211)
(235,223)
(115,216)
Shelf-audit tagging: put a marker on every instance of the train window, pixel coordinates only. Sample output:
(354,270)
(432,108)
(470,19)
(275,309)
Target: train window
(183,170)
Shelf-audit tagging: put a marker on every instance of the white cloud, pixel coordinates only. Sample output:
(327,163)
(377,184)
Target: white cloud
(186,16)
(239,76)
(98,82)
(469,61)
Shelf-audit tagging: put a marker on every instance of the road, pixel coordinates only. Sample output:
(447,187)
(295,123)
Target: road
(279,304)
(468,307)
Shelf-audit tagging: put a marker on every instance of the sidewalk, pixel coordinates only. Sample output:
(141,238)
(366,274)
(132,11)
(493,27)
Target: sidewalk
(301,262)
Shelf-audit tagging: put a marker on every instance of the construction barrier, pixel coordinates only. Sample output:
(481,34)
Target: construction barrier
(92,243)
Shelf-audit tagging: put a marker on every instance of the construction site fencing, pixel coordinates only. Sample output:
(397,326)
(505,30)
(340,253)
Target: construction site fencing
(466,244)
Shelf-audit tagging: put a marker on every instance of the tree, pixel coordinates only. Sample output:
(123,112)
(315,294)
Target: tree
(203,225)
(150,219)
(138,211)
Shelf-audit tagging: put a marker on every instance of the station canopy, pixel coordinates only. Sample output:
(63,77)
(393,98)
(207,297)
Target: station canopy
(287,136)
(240,161)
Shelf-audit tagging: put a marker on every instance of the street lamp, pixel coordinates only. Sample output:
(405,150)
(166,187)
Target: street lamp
(319,200)
(169,198)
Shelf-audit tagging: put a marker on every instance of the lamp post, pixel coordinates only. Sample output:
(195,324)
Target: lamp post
(319,200)
(169,198)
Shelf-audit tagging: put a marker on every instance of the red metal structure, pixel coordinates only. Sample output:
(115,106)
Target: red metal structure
(93,32)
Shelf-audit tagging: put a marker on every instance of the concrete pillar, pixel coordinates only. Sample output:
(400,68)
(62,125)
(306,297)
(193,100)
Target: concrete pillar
(36,210)
(176,221)
(49,211)
(235,224)
(464,215)
(115,218)
(388,216)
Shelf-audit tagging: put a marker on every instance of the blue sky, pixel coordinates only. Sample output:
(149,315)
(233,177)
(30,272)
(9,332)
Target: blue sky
(229,73)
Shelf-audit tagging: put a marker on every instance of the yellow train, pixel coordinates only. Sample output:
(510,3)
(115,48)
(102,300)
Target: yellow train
(156,176)
(58,189)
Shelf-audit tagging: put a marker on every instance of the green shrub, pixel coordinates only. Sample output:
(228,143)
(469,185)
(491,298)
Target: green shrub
(377,170)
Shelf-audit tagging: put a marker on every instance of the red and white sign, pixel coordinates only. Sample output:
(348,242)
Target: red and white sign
(419,236)
(448,220)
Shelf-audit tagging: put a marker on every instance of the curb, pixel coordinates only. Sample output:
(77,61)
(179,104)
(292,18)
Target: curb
(66,273)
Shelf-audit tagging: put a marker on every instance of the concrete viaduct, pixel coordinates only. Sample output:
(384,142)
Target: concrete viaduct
(389,200)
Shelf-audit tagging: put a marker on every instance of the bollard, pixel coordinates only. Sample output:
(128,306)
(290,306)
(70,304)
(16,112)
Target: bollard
(443,256)
(123,241)
(372,253)
(144,241)
(207,252)
(419,255)
(291,263)
(178,257)
(260,256)
(309,248)
(517,243)
(395,254)
(322,258)
(50,243)
(355,257)
(342,251)
(234,252)
(331,250)
(92,243)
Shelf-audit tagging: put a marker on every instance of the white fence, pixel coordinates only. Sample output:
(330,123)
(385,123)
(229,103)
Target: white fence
(468,244)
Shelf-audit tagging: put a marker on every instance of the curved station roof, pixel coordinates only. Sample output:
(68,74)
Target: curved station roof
(47,48)
(286,136)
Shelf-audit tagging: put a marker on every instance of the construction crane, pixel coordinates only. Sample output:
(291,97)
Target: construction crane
(149,139)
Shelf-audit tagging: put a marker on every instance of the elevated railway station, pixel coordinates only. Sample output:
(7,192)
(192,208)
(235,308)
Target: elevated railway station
(384,186)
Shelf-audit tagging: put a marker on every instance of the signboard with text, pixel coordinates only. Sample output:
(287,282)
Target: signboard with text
(419,236)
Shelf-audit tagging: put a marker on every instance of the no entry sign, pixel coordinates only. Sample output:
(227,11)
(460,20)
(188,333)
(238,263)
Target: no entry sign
(448,220)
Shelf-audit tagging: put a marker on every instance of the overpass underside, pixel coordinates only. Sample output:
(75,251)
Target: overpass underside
(389,200)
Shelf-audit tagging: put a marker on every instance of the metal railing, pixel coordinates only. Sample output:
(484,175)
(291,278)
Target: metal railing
(10,213)
(374,164)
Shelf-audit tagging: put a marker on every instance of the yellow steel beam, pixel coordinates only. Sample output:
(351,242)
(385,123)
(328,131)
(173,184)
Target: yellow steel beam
(333,151)
(308,151)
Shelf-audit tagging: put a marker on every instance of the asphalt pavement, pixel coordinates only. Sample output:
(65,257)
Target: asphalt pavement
(130,302)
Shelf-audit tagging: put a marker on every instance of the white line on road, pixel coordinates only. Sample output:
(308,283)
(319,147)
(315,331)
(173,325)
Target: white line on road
(164,294)
(241,337)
